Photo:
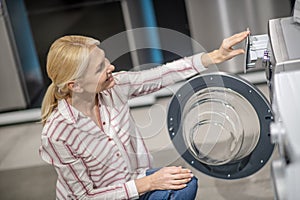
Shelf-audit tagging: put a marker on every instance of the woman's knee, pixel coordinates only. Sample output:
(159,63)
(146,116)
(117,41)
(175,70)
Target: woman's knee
(193,184)
(187,193)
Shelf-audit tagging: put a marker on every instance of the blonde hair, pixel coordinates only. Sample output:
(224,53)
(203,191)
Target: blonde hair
(67,59)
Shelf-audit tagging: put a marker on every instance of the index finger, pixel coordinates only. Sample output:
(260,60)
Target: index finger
(237,38)
(179,170)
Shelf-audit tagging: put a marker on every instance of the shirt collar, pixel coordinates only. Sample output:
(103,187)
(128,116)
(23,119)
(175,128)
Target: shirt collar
(67,111)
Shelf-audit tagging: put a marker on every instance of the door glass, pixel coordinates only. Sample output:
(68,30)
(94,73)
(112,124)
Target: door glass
(220,126)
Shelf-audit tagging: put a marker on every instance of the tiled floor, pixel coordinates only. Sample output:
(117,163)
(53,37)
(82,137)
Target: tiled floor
(23,175)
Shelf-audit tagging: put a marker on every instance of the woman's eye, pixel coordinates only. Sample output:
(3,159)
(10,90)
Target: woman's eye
(99,70)
(102,65)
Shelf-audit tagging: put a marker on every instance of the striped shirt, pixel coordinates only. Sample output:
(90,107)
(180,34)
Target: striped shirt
(95,163)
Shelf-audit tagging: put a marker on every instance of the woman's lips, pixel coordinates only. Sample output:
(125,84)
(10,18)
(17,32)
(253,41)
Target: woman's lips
(110,78)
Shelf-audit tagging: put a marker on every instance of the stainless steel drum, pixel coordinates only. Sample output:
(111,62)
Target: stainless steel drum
(219,123)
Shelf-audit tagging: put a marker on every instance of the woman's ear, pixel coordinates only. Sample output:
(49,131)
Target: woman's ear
(75,87)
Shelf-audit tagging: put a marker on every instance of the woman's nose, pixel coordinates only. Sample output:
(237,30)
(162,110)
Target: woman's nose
(111,68)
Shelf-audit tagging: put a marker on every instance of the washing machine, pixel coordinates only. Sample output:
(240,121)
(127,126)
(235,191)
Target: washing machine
(224,127)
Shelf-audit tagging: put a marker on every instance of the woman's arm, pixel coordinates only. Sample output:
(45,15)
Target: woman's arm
(134,84)
(74,175)
(167,178)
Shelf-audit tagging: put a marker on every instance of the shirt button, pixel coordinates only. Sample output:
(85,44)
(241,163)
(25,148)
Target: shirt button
(125,168)
(103,123)
(109,139)
(118,154)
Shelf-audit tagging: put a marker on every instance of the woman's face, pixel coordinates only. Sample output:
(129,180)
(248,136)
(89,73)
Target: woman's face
(98,76)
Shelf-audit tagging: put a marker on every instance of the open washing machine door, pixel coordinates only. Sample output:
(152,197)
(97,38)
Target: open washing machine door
(219,123)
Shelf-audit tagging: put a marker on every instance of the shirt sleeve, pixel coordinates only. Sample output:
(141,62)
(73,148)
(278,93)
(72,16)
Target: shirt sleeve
(139,83)
(73,173)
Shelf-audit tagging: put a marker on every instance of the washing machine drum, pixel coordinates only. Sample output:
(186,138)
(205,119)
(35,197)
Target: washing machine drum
(219,123)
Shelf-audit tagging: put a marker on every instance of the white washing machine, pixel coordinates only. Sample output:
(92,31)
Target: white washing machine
(224,127)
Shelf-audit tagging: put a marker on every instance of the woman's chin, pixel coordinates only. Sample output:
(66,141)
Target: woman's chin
(109,84)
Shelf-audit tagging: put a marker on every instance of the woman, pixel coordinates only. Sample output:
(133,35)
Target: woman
(89,135)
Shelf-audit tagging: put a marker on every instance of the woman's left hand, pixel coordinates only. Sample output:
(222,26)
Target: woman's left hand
(226,51)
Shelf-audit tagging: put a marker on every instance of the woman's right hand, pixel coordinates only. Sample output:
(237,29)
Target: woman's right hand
(226,50)
(167,178)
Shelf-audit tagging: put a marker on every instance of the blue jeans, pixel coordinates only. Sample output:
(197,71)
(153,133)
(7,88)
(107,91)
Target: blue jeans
(187,193)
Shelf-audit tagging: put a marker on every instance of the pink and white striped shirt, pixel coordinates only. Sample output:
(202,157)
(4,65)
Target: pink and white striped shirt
(92,163)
